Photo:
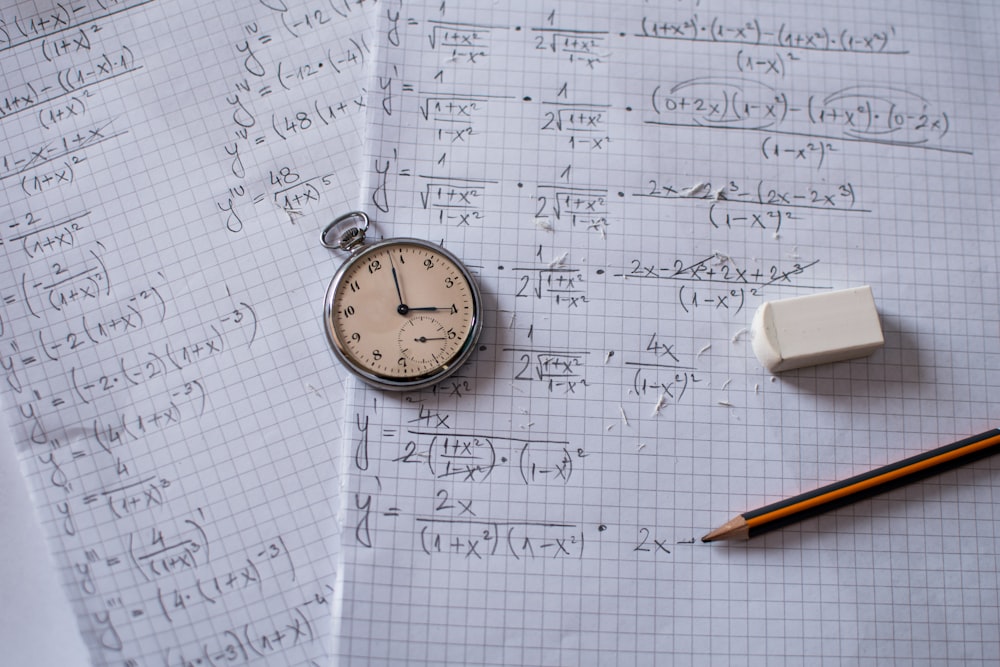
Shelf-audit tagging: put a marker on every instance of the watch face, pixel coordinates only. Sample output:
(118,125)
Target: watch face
(403,313)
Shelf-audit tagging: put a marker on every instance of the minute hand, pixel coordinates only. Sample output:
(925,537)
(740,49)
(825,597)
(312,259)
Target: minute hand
(395,281)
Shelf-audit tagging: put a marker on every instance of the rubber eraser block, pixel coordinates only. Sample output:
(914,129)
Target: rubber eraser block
(816,329)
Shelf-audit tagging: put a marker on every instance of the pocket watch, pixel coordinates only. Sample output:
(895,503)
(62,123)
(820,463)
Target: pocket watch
(401,313)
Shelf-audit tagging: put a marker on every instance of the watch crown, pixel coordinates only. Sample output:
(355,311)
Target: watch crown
(352,238)
(346,232)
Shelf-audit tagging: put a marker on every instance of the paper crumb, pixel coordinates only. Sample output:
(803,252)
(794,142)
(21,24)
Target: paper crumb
(719,195)
(721,258)
(739,334)
(621,410)
(544,224)
(696,190)
(293,213)
(725,403)
(641,445)
(726,384)
(608,356)
(704,350)
(756,388)
(660,402)
(559,261)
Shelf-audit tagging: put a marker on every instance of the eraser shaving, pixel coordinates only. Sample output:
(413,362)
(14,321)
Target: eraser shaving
(816,329)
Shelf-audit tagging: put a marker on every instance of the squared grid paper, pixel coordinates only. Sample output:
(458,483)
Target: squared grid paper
(542,506)
(167,168)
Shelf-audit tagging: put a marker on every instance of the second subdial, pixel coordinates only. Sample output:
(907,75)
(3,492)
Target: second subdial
(423,340)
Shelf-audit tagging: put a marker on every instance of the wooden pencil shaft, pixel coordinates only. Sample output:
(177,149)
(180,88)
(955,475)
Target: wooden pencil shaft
(865,485)
(871,483)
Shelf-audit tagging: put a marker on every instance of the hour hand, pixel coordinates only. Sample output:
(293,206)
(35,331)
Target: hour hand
(452,308)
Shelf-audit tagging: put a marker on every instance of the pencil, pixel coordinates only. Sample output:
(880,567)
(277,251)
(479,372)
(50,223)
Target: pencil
(865,485)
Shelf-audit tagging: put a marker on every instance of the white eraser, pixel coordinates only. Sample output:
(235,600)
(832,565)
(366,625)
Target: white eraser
(816,329)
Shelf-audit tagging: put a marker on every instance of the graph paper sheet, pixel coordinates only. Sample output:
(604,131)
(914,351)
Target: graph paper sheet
(166,168)
(629,181)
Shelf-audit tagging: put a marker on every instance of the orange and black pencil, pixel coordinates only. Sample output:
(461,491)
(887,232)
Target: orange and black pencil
(865,485)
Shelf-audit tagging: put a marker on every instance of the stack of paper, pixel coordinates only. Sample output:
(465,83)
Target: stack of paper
(627,183)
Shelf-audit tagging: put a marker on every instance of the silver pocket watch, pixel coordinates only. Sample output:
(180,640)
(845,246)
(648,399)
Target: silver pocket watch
(401,313)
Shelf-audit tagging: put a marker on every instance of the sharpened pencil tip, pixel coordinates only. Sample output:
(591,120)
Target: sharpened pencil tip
(734,529)
(711,537)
